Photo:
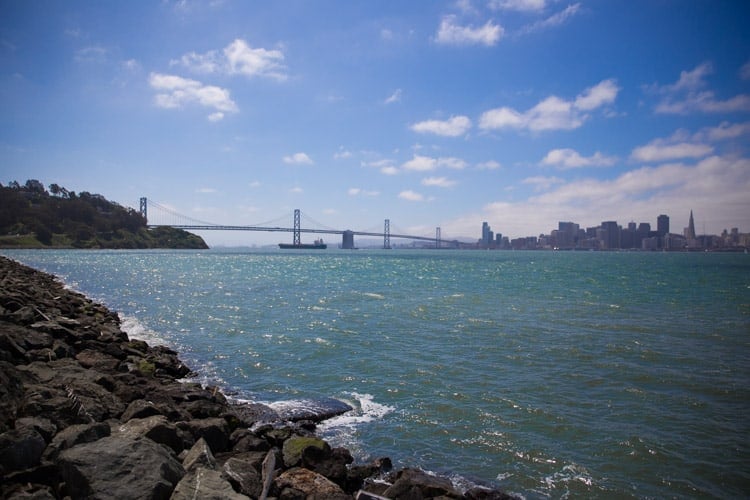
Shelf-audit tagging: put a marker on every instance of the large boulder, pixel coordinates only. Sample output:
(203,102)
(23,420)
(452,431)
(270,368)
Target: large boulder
(120,467)
(415,483)
(243,477)
(310,483)
(206,484)
(157,429)
(74,435)
(20,449)
(199,455)
(295,445)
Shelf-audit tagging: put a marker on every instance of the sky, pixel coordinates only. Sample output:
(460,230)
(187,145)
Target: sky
(520,113)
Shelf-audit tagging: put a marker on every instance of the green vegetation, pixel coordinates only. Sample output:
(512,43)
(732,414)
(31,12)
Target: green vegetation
(32,217)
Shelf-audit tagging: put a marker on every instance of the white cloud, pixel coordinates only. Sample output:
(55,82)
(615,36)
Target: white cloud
(176,91)
(298,159)
(489,165)
(686,95)
(410,195)
(605,92)
(554,20)
(443,182)
(342,154)
(394,97)
(724,130)
(715,188)
(215,117)
(453,127)
(362,192)
(205,190)
(421,163)
(389,170)
(248,61)
(542,183)
(451,33)
(93,54)
(238,58)
(297,190)
(567,158)
(552,113)
(672,148)
(519,5)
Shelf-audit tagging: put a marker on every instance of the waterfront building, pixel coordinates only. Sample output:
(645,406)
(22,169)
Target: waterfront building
(610,235)
(662,225)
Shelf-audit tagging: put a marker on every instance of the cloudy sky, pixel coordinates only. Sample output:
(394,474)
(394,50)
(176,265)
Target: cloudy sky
(521,113)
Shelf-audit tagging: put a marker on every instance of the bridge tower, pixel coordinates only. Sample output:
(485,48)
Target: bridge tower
(296,239)
(437,237)
(387,235)
(144,208)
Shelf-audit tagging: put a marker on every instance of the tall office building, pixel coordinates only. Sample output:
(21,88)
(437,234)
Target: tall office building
(486,234)
(690,230)
(662,225)
(611,235)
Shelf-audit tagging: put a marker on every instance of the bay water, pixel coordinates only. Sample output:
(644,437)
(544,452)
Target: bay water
(547,374)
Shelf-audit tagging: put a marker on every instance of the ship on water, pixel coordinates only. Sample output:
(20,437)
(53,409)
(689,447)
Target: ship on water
(316,245)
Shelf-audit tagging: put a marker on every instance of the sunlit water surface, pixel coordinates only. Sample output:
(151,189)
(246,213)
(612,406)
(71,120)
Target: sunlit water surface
(548,374)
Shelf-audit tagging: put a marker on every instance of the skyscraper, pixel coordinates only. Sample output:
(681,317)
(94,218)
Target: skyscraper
(662,225)
(690,231)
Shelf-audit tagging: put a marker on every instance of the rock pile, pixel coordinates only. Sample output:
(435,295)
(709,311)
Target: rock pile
(85,412)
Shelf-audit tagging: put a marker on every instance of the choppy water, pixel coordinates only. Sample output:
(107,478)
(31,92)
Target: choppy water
(548,374)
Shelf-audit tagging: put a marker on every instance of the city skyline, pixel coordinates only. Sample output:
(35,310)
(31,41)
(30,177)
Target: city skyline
(430,114)
(610,235)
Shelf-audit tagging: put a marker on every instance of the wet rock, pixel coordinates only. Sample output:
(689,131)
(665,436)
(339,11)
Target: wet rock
(120,467)
(315,410)
(243,440)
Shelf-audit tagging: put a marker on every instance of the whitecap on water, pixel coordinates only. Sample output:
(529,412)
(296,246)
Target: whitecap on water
(138,331)
(342,430)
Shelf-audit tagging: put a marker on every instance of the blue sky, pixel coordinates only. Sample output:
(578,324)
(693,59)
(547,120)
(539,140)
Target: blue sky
(521,113)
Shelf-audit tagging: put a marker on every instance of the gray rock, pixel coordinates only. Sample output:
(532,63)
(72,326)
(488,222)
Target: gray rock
(415,483)
(205,484)
(139,409)
(213,430)
(243,477)
(200,455)
(157,429)
(20,449)
(312,484)
(73,435)
(120,467)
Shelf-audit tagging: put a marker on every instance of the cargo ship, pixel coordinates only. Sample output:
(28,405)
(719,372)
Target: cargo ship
(316,245)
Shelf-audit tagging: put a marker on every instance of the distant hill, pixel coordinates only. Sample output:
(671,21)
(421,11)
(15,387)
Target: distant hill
(32,217)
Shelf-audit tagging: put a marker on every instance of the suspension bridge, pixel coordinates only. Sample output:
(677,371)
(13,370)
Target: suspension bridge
(180,221)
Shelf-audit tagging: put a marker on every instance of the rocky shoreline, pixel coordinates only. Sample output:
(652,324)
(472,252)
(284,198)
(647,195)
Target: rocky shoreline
(86,412)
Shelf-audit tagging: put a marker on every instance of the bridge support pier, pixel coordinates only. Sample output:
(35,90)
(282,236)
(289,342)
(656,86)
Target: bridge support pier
(347,240)
(144,209)
(387,235)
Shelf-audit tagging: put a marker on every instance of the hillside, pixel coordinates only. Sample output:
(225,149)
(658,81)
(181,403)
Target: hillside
(33,217)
